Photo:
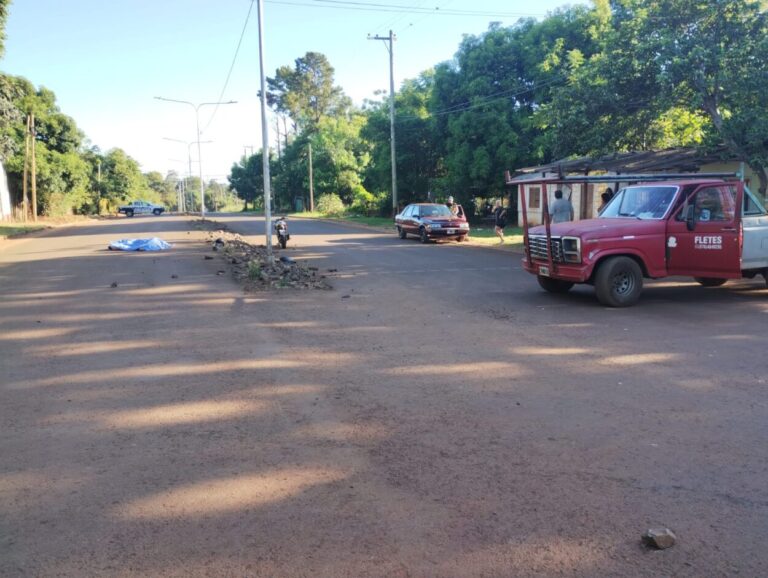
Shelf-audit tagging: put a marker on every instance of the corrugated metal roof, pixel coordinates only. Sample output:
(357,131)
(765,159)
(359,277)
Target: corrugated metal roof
(679,160)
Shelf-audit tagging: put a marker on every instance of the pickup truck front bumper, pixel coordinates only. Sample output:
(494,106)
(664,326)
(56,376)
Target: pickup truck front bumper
(575,273)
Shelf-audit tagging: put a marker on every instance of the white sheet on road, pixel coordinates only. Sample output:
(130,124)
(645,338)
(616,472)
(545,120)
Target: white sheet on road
(153,244)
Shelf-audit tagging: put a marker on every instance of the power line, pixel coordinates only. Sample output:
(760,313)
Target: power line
(232,66)
(488,99)
(400,8)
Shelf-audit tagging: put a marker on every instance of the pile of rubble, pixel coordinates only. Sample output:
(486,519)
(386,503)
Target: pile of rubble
(251,266)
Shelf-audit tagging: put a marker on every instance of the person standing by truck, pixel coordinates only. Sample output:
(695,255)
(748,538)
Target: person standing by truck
(561,210)
(605,198)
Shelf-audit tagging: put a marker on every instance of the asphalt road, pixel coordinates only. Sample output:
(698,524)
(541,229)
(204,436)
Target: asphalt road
(435,414)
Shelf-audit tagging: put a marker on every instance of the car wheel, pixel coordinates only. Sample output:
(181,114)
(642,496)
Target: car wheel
(710,281)
(619,282)
(129,213)
(554,285)
(461,238)
(157,212)
(423,235)
(401,233)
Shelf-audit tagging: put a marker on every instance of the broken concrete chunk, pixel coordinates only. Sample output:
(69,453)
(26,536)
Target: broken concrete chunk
(660,538)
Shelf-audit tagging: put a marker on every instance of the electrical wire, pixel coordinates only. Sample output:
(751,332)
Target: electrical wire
(231,67)
(488,99)
(400,8)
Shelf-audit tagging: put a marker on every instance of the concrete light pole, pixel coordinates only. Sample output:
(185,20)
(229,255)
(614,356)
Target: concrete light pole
(265,139)
(189,151)
(199,153)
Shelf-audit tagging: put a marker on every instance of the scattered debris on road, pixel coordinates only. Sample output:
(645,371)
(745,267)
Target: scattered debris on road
(250,265)
(659,538)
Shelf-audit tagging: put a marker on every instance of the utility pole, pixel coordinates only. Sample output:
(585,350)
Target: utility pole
(390,47)
(24,180)
(311,183)
(265,140)
(33,137)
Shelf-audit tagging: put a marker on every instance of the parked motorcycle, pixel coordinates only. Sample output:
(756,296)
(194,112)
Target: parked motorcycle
(281,229)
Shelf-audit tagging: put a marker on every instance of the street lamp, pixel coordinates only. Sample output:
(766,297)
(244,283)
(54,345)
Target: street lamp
(199,154)
(189,149)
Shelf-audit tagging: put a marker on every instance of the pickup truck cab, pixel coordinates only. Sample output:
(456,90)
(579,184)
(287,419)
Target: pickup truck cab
(711,230)
(141,208)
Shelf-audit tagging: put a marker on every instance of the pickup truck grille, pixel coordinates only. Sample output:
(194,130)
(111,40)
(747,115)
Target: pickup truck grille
(538,244)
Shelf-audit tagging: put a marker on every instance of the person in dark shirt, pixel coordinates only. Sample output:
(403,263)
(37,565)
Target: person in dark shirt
(500,218)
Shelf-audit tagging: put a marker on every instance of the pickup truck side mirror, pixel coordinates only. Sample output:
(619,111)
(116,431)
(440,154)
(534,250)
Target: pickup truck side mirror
(690,217)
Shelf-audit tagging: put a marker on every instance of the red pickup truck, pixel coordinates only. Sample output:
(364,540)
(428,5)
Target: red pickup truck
(711,229)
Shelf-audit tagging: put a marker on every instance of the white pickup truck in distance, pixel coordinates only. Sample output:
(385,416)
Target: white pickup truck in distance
(141,208)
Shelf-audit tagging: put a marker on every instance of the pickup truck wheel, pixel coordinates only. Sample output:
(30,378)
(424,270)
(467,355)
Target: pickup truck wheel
(710,281)
(129,213)
(461,238)
(619,282)
(423,235)
(157,212)
(401,233)
(554,285)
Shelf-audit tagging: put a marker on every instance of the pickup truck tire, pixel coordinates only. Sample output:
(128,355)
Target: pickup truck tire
(423,235)
(554,285)
(710,281)
(401,233)
(157,212)
(129,212)
(619,282)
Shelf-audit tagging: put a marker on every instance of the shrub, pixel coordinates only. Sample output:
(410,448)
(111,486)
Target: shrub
(254,270)
(57,205)
(331,205)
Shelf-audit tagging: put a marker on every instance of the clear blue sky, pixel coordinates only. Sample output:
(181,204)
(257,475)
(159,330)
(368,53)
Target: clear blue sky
(107,59)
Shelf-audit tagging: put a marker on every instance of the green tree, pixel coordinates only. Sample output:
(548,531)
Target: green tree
(484,101)
(4,4)
(306,93)
(62,174)
(671,73)
(417,152)
(246,179)
(122,178)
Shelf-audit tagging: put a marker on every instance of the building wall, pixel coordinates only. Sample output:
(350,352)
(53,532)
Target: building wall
(585,200)
(591,201)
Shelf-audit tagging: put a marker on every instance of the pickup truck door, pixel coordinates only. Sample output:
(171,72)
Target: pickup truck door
(704,235)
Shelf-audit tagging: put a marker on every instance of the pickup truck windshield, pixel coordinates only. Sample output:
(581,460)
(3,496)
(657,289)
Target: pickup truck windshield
(641,202)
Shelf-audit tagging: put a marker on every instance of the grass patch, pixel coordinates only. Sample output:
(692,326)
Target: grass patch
(10,230)
(254,270)
(372,221)
(486,235)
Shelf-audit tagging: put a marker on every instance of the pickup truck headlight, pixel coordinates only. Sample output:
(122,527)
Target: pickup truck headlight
(572,249)
(464,226)
(431,226)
